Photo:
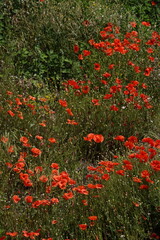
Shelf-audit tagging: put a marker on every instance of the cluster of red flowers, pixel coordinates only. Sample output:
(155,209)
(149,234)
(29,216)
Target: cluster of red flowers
(98,138)
(30,167)
(16,105)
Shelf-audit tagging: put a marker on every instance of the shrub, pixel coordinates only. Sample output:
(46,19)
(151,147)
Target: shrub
(38,48)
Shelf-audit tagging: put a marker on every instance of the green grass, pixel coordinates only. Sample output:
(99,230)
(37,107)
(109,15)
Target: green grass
(79,148)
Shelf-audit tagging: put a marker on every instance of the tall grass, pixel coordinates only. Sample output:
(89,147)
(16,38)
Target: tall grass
(38,37)
(82,162)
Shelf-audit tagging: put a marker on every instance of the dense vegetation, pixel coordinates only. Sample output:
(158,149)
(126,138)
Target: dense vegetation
(79,120)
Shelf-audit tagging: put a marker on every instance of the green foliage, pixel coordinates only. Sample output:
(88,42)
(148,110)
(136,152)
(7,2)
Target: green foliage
(33,34)
(38,37)
(144,10)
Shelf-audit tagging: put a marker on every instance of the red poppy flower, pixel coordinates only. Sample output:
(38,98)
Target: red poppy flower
(12,234)
(106,75)
(81,189)
(114,108)
(71,122)
(155,165)
(38,169)
(32,98)
(131,63)
(54,200)
(31,235)
(95,186)
(43,124)
(129,144)
(73,83)
(149,50)
(11,113)
(43,178)
(147,24)
(76,48)
(16,198)
(89,137)
(9,93)
(127,165)
(151,58)
(24,139)
(52,140)
(39,137)
(54,221)
(63,103)
(137,69)
(4,139)
(29,199)
(47,238)
(148,71)
(105,177)
(85,203)
(80,57)
(133,24)
(145,174)
(120,172)
(103,34)
(20,115)
(85,89)
(149,141)
(143,186)
(83,226)
(153,3)
(104,82)
(136,179)
(155,236)
(2,238)
(93,218)
(136,204)
(157,143)
(107,96)
(133,139)
(98,138)
(95,102)
(68,195)
(119,138)
(36,152)
(18,101)
(111,66)
(55,165)
(91,42)
(69,111)
(86,53)
(97,66)
(10,149)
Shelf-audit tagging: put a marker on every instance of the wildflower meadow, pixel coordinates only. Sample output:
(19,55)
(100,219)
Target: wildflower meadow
(80,127)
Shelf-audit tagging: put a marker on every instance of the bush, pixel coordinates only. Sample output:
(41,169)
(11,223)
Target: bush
(34,35)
